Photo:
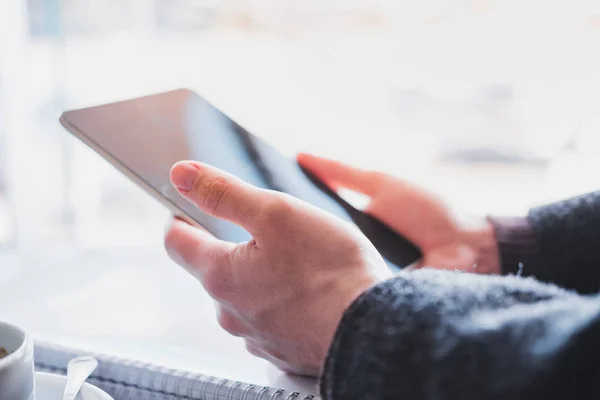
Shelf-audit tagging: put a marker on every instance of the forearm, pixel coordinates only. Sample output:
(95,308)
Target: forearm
(557,243)
(444,335)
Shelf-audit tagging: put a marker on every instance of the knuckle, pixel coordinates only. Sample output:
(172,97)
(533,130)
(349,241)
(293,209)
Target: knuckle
(168,241)
(172,244)
(171,240)
(260,318)
(253,349)
(217,282)
(229,323)
(276,210)
(213,193)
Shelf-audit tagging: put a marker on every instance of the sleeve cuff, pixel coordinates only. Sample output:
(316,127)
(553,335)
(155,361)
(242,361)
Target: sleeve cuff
(341,348)
(518,245)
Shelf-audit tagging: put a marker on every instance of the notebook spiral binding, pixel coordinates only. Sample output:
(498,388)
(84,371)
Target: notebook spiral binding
(246,391)
(230,391)
(190,390)
(124,378)
(202,390)
(260,394)
(221,383)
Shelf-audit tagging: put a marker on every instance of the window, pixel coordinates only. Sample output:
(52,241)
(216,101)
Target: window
(493,103)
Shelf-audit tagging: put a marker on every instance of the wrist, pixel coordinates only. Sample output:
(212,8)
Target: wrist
(517,244)
(482,240)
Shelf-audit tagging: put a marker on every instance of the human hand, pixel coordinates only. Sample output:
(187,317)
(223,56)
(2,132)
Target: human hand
(285,291)
(446,240)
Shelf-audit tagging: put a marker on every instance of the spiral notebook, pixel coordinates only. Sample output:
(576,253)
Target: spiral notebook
(127,379)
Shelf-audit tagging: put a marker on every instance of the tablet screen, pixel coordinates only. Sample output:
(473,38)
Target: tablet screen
(148,135)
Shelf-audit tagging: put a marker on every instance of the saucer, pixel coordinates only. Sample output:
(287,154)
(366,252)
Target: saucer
(51,387)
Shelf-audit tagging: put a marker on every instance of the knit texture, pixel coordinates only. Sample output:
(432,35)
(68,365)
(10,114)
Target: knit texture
(568,234)
(440,335)
(448,335)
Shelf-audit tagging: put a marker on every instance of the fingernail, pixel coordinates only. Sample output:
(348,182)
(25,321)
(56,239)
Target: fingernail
(184,177)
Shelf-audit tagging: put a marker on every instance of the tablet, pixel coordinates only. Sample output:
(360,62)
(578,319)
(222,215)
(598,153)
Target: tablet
(145,136)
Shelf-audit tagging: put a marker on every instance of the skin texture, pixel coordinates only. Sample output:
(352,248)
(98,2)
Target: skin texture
(448,240)
(302,269)
(305,267)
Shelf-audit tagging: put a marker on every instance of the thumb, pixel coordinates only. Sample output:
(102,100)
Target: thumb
(338,175)
(218,193)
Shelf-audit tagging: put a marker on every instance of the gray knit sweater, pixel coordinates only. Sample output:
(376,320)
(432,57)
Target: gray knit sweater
(447,335)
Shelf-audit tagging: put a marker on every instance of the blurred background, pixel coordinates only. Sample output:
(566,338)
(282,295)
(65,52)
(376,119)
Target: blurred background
(494,104)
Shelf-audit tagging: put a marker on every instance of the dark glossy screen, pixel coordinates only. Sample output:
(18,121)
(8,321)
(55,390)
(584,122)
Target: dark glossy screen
(148,135)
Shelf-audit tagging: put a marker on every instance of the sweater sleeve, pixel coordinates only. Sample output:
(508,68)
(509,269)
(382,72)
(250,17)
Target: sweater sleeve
(557,243)
(448,335)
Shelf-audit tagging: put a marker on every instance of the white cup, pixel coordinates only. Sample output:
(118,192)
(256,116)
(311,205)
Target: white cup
(17,374)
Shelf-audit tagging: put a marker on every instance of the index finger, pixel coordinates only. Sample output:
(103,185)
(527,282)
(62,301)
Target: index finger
(219,193)
(339,175)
